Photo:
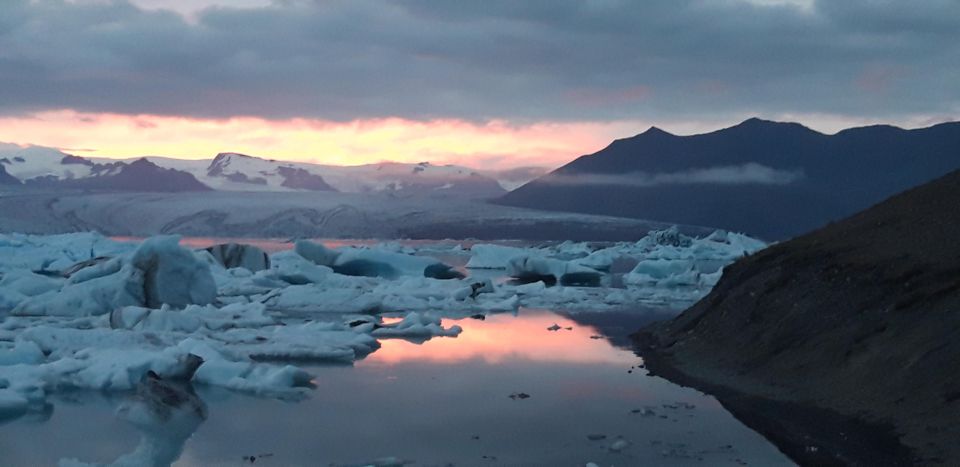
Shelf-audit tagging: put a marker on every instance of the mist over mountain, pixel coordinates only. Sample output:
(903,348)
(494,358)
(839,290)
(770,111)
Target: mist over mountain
(764,178)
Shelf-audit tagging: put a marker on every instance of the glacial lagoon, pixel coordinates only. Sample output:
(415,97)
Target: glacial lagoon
(529,386)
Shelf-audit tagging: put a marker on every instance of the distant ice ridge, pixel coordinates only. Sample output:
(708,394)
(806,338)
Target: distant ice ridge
(84,311)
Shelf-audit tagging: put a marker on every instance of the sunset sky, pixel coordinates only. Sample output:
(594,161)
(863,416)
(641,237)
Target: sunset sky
(493,84)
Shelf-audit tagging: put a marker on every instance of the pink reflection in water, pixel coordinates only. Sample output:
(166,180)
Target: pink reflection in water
(503,338)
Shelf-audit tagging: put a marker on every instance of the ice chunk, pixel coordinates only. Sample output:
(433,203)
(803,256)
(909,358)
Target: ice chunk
(551,271)
(250,377)
(484,256)
(23,352)
(375,263)
(670,237)
(415,325)
(92,297)
(236,255)
(145,319)
(296,269)
(158,272)
(172,275)
(473,290)
(316,252)
(308,298)
(652,271)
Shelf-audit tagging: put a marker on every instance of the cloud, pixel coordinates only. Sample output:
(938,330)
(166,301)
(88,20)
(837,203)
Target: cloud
(494,145)
(745,174)
(499,59)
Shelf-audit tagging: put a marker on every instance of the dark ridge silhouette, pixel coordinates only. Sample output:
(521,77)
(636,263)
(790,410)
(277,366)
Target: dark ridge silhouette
(860,318)
(139,175)
(791,178)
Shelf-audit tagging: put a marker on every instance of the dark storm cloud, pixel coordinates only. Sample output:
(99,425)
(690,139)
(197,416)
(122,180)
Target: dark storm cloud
(547,59)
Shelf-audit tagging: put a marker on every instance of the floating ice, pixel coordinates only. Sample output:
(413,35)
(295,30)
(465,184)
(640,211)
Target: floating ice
(233,255)
(367,262)
(549,270)
(417,325)
(484,256)
(83,311)
(158,272)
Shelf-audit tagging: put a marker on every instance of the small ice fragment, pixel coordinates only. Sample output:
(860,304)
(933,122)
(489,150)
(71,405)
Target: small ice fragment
(644,412)
(619,445)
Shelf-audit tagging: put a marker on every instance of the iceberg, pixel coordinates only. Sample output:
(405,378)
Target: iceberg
(159,272)
(81,311)
(235,255)
(367,262)
(552,271)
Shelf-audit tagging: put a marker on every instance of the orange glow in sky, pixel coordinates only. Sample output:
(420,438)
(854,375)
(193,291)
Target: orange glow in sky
(487,145)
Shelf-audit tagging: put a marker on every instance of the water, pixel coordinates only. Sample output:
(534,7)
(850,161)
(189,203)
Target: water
(442,402)
(445,401)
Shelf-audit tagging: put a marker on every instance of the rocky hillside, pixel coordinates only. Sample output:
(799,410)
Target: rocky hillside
(861,318)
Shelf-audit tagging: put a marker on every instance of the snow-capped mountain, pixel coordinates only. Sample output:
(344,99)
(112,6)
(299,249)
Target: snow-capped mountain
(42,166)
(240,172)
(50,168)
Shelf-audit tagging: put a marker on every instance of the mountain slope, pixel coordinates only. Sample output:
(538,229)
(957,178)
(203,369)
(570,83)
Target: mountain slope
(241,172)
(42,166)
(139,175)
(49,168)
(747,177)
(6,178)
(860,317)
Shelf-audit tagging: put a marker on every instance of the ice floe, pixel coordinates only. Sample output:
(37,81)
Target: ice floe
(84,311)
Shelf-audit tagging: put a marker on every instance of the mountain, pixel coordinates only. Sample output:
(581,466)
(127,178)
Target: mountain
(36,166)
(228,171)
(139,175)
(243,169)
(859,318)
(241,172)
(769,179)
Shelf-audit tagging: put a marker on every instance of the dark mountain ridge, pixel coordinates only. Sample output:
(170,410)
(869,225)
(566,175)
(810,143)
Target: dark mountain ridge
(748,176)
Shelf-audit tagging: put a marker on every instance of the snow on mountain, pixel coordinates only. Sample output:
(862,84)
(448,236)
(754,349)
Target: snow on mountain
(240,172)
(230,171)
(41,163)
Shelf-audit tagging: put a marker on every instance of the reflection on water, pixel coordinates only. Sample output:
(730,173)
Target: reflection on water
(504,337)
(442,402)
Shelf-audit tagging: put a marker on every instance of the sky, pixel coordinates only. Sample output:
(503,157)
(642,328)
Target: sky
(492,84)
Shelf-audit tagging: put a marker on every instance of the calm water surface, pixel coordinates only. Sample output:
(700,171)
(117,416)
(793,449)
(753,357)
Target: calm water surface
(442,402)
(445,401)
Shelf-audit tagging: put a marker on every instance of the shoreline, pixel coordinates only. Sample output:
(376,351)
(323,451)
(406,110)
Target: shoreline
(807,434)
